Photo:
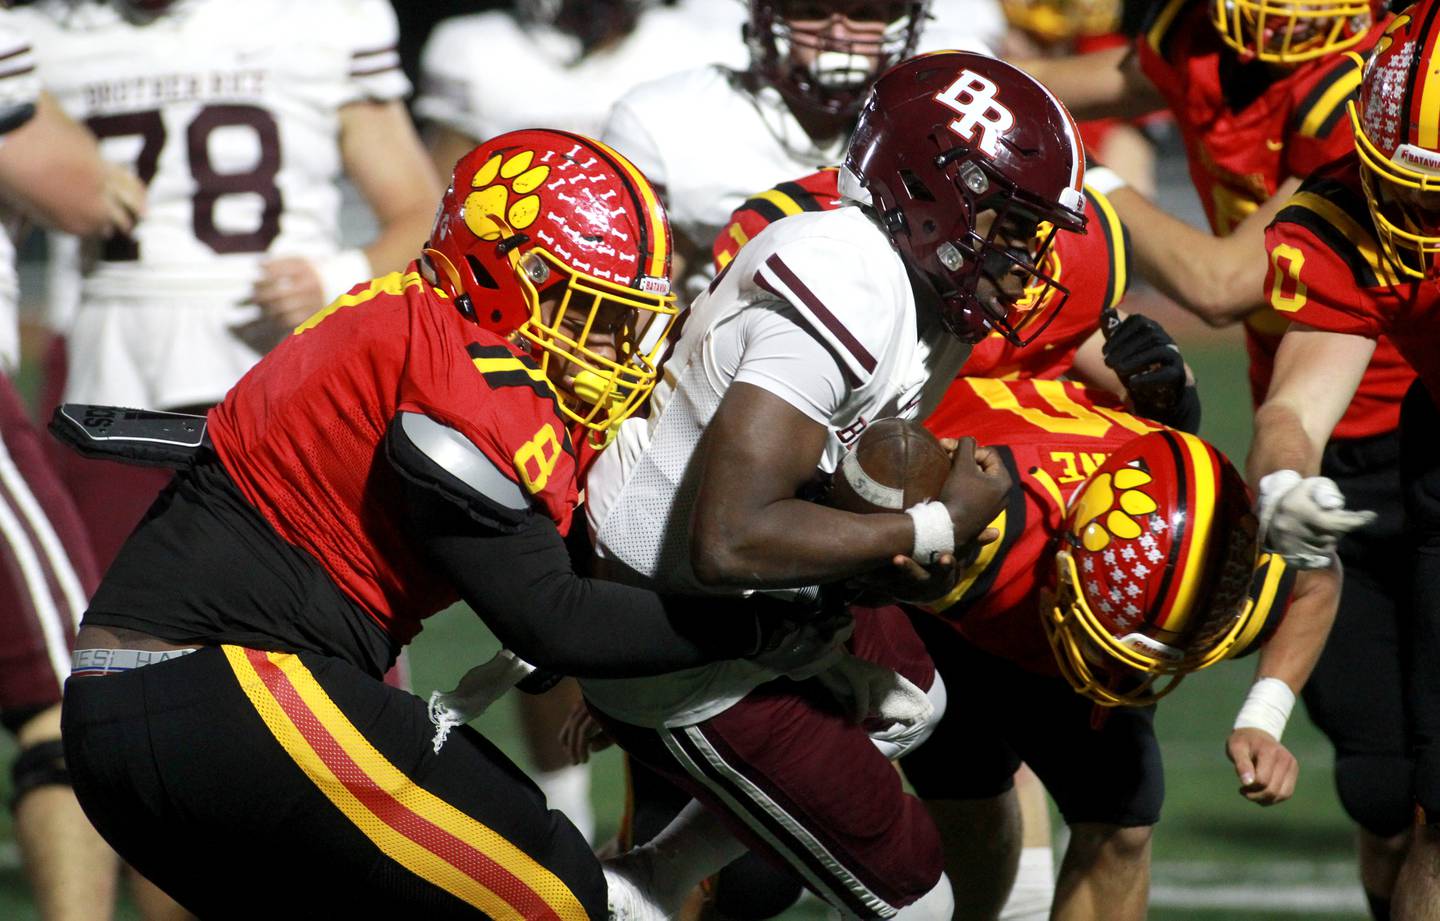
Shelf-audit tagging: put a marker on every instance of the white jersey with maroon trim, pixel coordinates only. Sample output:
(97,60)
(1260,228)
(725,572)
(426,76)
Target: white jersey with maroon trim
(838,275)
(229,111)
(19,90)
(483,74)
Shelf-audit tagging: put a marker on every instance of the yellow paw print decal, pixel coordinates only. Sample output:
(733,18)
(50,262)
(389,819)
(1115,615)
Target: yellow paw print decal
(1120,501)
(495,183)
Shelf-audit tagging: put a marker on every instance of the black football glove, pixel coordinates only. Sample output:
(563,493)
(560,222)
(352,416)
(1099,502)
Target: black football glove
(1149,364)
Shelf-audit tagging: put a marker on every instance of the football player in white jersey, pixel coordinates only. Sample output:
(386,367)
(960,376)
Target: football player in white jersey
(713,135)
(241,130)
(51,174)
(823,323)
(576,57)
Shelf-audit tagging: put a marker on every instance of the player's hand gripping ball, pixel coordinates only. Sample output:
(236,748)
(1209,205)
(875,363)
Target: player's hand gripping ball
(895,464)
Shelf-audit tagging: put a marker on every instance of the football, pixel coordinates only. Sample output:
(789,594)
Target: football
(893,465)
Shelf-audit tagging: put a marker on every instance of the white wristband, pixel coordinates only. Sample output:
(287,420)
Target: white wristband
(1267,707)
(1103,179)
(934,532)
(339,272)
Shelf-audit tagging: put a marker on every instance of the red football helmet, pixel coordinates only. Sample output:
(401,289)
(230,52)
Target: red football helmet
(1159,573)
(944,138)
(531,213)
(1398,142)
(822,55)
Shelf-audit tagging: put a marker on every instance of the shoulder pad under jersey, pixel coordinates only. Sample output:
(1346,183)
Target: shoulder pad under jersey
(841,275)
(441,459)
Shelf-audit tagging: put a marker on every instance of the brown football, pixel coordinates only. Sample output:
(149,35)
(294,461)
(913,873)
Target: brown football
(893,465)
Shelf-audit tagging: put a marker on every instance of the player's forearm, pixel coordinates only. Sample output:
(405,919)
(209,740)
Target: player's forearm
(1295,647)
(1282,442)
(792,543)
(1218,279)
(394,247)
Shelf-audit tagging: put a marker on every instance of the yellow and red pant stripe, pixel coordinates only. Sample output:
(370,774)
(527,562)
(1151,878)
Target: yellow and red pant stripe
(423,833)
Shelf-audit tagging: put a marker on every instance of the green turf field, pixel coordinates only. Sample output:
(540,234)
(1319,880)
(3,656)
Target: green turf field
(1216,855)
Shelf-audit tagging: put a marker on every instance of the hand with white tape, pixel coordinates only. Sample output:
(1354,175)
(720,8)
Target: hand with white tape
(1303,518)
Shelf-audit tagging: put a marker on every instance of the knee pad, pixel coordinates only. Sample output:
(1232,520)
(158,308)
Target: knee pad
(936,905)
(1375,792)
(41,765)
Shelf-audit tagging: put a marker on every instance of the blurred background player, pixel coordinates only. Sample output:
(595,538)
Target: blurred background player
(577,57)
(1137,548)
(241,133)
(712,136)
(1258,92)
(1056,28)
(51,174)
(1353,259)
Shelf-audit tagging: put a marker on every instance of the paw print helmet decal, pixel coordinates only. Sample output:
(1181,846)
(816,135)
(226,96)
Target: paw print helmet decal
(548,215)
(1154,571)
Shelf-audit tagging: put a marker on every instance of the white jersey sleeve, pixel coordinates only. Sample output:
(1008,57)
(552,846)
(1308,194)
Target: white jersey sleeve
(373,35)
(827,280)
(626,131)
(19,82)
(771,347)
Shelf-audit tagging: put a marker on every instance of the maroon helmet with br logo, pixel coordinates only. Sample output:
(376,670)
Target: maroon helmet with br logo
(964,157)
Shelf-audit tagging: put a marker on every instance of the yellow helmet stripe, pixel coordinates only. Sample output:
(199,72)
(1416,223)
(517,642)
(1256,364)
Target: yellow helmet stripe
(1200,517)
(655,225)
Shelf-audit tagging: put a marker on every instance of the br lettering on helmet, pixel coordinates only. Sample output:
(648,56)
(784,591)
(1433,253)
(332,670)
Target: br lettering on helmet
(1159,573)
(822,55)
(1397,137)
(1291,31)
(560,241)
(971,167)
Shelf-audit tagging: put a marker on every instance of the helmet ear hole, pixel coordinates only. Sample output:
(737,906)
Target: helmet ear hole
(482,275)
(915,187)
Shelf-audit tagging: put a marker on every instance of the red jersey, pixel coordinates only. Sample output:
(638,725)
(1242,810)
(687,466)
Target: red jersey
(1248,127)
(1052,435)
(301,435)
(1094,266)
(1327,270)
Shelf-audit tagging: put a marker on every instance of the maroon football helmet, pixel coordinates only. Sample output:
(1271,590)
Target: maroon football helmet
(964,157)
(821,68)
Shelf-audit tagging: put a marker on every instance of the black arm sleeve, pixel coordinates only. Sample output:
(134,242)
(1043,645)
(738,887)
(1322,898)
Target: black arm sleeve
(521,583)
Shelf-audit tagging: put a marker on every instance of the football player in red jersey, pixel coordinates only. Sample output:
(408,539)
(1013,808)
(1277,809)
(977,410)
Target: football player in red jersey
(415,442)
(1258,91)
(1352,260)
(1136,544)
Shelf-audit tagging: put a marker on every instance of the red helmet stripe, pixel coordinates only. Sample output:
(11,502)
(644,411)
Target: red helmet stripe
(652,212)
(1201,473)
